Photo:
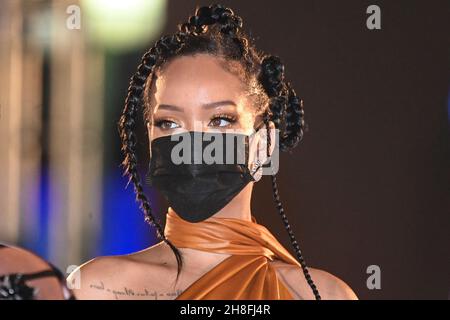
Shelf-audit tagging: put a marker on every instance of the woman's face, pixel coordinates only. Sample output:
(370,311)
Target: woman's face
(195,93)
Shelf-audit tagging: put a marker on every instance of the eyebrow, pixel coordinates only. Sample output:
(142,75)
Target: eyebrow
(206,105)
(218,104)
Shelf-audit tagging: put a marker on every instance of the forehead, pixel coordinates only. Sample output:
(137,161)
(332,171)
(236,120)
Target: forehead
(194,80)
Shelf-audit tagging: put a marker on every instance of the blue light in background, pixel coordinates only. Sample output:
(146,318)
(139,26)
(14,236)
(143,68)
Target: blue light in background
(38,243)
(123,227)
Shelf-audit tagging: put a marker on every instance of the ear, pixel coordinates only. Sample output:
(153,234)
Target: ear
(149,136)
(272,132)
(258,149)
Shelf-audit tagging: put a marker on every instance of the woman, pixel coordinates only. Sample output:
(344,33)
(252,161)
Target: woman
(209,78)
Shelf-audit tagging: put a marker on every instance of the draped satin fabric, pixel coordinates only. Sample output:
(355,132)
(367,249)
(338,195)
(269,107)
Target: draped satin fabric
(247,273)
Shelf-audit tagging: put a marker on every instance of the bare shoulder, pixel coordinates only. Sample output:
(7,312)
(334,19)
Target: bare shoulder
(89,280)
(329,286)
(107,276)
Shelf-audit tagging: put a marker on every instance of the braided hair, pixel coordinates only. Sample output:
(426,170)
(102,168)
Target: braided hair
(215,30)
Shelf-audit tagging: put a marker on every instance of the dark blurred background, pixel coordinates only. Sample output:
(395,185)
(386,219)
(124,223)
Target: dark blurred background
(369,185)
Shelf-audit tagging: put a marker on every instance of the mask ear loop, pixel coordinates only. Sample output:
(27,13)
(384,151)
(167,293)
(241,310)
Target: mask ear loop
(148,178)
(258,165)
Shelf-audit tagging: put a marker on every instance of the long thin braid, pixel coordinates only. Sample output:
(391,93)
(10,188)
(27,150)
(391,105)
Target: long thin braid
(294,242)
(284,218)
(286,111)
(127,125)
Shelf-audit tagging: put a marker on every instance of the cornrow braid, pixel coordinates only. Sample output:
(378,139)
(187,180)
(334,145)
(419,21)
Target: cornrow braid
(295,122)
(286,108)
(229,23)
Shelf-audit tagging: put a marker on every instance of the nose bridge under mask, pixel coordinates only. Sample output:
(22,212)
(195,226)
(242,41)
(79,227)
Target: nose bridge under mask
(199,173)
(200,148)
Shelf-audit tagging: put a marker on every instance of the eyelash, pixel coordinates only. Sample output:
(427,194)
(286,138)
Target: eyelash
(230,118)
(159,122)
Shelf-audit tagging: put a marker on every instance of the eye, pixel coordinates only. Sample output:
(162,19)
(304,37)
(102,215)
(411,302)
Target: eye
(222,120)
(166,124)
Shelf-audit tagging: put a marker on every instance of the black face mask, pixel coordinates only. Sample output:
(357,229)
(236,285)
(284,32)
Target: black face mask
(200,186)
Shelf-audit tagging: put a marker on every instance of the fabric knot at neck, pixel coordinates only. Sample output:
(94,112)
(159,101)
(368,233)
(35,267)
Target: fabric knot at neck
(247,274)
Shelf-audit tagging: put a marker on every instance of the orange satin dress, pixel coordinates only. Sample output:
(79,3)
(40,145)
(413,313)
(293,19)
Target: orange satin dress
(247,273)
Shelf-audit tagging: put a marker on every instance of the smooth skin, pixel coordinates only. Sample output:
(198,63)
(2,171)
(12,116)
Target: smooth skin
(192,93)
